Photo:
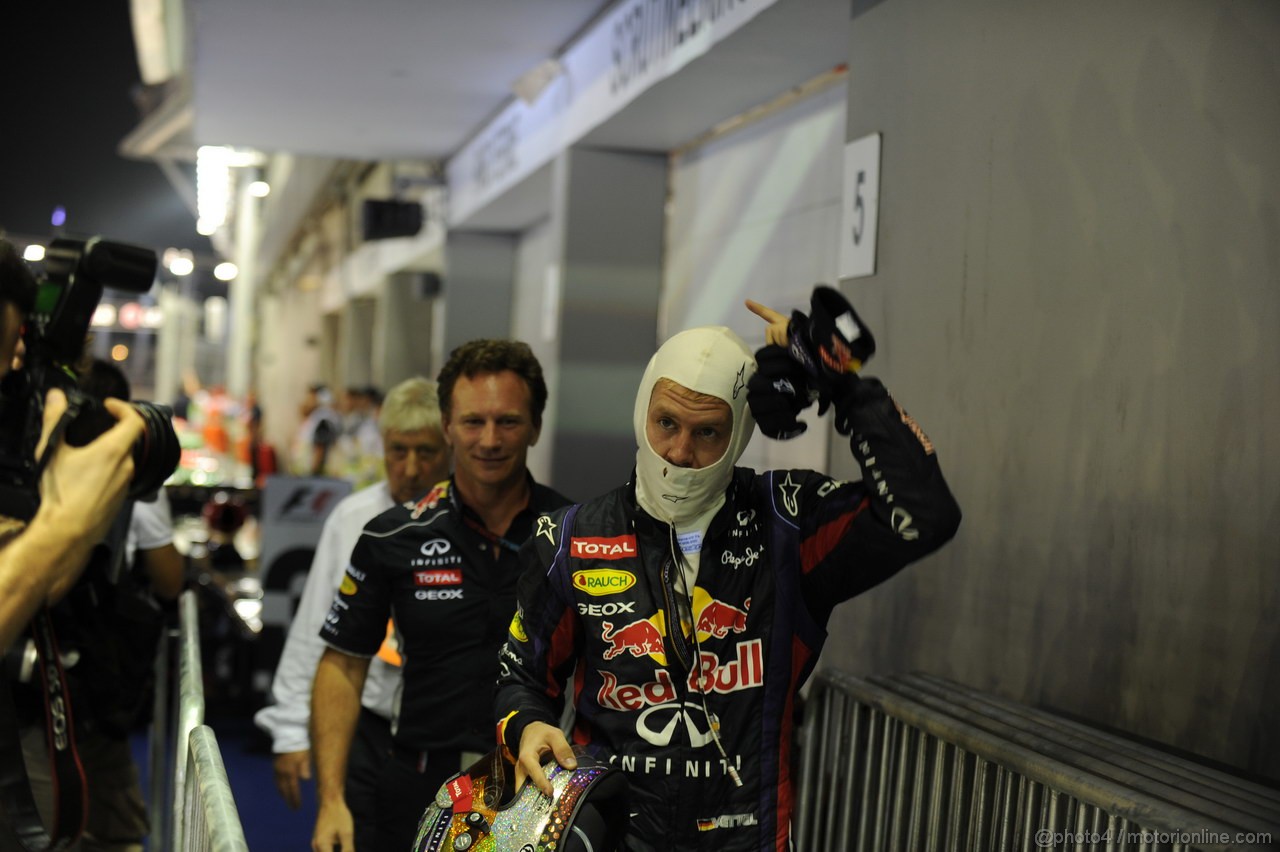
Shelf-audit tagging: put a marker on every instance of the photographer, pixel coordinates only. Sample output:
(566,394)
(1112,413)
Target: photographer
(81,488)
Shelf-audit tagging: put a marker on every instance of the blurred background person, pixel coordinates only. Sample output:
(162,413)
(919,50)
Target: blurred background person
(317,433)
(416,457)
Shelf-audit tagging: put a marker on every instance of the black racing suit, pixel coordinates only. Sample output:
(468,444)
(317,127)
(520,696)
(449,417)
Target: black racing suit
(450,587)
(600,593)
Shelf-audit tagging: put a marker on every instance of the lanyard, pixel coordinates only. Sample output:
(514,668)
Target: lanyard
(492,537)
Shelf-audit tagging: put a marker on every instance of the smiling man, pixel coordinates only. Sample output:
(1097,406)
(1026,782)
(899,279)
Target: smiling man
(682,612)
(445,568)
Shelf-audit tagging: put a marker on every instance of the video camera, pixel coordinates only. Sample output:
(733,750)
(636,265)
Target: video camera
(76,271)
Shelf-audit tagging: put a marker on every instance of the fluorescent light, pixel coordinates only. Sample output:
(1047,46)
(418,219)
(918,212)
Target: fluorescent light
(213,185)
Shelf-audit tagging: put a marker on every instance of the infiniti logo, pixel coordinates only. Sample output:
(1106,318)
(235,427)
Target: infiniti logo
(435,547)
(658,725)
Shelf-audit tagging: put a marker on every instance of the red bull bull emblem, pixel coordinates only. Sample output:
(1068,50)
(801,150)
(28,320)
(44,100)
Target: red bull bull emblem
(718,618)
(639,638)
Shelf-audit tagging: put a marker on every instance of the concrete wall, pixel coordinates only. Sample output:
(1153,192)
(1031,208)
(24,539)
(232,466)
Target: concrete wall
(1078,293)
(611,207)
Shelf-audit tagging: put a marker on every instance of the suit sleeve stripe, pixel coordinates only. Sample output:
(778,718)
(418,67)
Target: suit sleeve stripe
(561,650)
(816,547)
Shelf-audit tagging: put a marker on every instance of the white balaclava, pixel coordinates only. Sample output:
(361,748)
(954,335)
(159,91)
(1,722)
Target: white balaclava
(711,360)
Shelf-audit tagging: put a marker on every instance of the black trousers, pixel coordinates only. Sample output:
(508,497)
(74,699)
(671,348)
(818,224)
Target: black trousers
(370,752)
(406,785)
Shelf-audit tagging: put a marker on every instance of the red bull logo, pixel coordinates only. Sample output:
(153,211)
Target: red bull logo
(628,696)
(718,619)
(617,547)
(639,638)
(745,671)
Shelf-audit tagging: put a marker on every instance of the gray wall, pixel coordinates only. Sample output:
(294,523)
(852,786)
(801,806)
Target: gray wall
(477,287)
(611,207)
(1078,290)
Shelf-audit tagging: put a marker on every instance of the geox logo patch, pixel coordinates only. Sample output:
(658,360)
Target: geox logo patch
(617,547)
(348,586)
(603,581)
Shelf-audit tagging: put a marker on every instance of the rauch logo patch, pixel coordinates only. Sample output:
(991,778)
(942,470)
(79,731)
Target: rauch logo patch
(603,581)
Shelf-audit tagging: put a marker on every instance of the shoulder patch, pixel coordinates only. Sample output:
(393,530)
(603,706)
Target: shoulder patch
(546,528)
(431,501)
(788,491)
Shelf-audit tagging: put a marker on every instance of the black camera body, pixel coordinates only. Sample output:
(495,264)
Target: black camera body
(76,272)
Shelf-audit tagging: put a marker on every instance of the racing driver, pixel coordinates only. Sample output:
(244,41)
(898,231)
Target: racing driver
(688,606)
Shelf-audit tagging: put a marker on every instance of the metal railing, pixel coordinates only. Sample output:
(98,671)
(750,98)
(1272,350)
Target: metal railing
(191,803)
(210,820)
(917,762)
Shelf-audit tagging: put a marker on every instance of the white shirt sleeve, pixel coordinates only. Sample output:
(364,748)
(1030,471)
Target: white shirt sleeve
(287,719)
(150,526)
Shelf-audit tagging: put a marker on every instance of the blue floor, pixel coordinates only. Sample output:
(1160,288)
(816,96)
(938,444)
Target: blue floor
(269,825)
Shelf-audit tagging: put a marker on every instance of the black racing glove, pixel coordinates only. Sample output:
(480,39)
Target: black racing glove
(831,341)
(778,392)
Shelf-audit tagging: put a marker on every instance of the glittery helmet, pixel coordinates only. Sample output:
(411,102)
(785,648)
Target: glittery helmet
(474,811)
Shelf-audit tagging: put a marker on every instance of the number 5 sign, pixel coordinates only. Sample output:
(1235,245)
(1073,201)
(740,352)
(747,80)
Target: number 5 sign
(861,198)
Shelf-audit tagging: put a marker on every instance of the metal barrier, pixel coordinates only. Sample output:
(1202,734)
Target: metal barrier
(191,803)
(189,707)
(917,762)
(210,819)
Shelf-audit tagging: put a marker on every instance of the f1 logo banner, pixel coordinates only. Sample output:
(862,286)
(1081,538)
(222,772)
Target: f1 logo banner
(294,509)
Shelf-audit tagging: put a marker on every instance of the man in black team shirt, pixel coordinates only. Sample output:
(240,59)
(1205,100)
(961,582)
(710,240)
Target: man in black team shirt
(445,568)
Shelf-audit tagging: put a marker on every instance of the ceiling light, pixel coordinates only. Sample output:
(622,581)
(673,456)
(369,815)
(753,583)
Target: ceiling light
(225,271)
(259,189)
(33,253)
(213,185)
(180,265)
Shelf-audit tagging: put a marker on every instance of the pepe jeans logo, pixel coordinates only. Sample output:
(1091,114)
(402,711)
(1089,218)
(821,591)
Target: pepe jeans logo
(603,581)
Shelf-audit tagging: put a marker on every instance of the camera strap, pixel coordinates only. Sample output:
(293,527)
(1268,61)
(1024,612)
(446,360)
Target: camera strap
(71,803)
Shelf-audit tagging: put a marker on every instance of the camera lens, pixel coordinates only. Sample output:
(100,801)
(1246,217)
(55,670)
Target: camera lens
(155,454)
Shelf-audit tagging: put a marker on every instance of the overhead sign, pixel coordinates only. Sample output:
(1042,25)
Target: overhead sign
(637,44)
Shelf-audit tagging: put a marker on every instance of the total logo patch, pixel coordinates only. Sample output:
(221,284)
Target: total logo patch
(616,547)
(603,581)
(439,577)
